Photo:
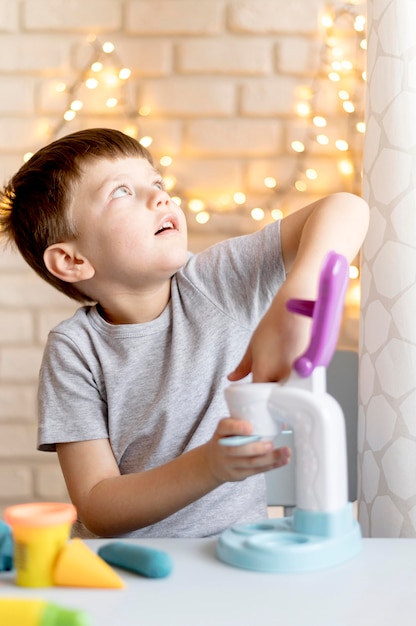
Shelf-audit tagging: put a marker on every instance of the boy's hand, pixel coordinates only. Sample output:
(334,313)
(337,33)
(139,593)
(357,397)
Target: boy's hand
(235,463)
(278,340)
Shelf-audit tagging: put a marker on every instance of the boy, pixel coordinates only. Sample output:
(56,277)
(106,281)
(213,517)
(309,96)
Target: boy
(131,387)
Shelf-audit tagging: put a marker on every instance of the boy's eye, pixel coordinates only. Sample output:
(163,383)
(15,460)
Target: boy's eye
(121,191)
(159,184)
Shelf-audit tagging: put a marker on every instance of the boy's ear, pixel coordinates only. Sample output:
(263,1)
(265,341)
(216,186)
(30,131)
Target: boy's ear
(63,261)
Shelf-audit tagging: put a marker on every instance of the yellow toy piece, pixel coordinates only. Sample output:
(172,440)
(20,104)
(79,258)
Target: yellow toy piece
(78,566)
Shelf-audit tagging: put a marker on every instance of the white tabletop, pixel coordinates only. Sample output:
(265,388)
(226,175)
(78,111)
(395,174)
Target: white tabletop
(376,588)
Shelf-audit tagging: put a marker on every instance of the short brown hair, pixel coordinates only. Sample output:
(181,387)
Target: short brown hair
(34,204)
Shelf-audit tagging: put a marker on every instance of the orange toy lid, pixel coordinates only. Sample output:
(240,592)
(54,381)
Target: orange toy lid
(40,514)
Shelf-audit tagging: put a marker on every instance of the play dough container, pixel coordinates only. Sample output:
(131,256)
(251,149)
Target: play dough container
(40,531)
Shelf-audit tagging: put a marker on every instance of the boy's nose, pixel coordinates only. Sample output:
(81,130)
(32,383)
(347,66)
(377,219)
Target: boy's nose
(161,199)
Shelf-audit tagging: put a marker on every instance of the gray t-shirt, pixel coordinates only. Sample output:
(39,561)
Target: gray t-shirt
(155,390)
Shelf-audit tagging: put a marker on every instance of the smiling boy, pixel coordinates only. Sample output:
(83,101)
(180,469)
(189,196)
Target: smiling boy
(131,387)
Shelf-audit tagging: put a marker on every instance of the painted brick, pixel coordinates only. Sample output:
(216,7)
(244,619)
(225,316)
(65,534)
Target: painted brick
(18,442)
(49,481)
(17,53)
(18,402)
(22,135)
(27,287)
(18,364)
(271,97)
(201,176)
(189,97)
(233,137)
(16,327)
(174,17)
(15,482)
(270,16)
(227,56)
(147,57)
(76,15)
(17,95)
(11,260)
(298,56)
(48,318)
(9,164)
(280,168)
(9,16)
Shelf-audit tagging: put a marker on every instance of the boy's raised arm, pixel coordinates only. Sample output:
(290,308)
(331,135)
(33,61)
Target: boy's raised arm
(338,222)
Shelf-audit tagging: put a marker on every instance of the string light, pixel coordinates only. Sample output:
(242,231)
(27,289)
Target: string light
(342,68)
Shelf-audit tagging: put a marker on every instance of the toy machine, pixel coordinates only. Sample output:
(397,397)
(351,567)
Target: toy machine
(322,531)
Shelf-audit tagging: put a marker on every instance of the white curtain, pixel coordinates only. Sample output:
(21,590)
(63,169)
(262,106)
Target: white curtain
(387,419)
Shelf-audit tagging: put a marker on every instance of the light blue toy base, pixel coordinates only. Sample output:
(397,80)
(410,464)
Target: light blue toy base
(306,541)
(238,440)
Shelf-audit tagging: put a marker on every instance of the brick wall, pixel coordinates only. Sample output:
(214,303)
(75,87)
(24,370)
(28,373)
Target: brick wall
(220,77)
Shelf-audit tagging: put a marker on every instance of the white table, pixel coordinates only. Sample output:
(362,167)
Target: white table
(376,588)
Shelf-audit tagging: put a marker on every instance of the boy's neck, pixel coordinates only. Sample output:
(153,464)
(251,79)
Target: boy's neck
(134,309)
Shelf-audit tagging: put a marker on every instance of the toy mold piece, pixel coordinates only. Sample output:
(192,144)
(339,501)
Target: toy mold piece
(138,559)
(6,547)
(78,566)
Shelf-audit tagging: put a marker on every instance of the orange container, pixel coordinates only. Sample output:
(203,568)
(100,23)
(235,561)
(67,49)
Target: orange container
(40,531)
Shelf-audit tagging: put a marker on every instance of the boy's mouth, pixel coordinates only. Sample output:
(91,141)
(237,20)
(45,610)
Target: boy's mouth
(167,224)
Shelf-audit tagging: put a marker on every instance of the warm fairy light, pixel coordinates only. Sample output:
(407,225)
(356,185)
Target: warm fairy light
(327,21)
(110,79)
(146,141)
(91,83)
(335,66)
(300,185)
(144,111)
(76,105)
(177,200)
(323,140)
(270,182)
(124,73)
(303,109)
(353,272)
(108,47)
(359,23)
(334,77)
(130,130)
(341,145)
(257,214)
(319,121)
(165,161)
(304,92)
(195,205)
(348,106)
(346,167)
(239,197)
(27,156)
(277,214)
(203,217)
(225,200)
(169,182)
(69,115)
(311,174)
(353,296)
(298,146)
